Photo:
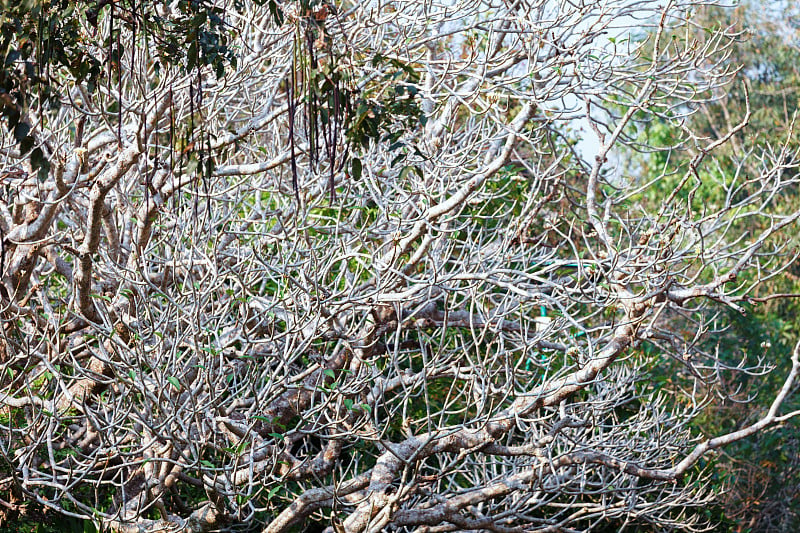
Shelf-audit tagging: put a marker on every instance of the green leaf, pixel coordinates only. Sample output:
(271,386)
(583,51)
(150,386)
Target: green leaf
(410,168)
(174,382)
(21,131)
(356,167)
(276,12)
(191,56)
(273,492)
(330,373)
(25,144)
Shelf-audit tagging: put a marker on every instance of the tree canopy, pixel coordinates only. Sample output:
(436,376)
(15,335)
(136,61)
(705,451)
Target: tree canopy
(286,265)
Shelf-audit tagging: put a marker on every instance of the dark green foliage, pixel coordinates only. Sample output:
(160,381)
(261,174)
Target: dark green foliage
(38,39)
(197,37)
(336,107)
(45,48)
(33,519)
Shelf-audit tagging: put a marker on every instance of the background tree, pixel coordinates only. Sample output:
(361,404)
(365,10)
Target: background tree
(355,272)
(760,476)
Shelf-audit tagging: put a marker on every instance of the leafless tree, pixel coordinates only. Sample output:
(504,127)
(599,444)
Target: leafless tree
(224,308)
